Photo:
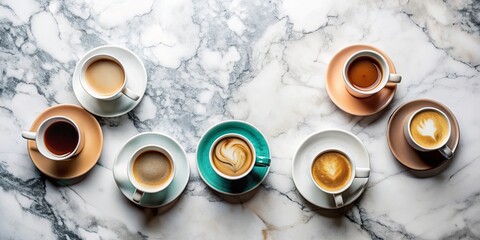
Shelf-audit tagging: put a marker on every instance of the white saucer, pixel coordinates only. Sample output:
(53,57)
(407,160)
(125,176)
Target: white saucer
(182,169)
(310,147)
(137,81)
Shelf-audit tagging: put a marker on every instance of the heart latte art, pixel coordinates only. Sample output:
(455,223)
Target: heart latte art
(232,156)
(429,129)
(331,171)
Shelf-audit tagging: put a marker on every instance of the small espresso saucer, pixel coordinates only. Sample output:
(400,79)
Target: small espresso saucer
(310,147)
(137,81)
(339,94)
(182,169)
(85,160)
(422,163)
(211,178)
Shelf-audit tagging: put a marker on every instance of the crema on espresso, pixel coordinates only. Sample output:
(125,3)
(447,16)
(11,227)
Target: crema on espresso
(331,170)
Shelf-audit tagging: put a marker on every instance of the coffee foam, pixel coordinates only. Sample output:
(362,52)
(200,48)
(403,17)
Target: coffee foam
(105,76)
(429,129)
(152,169)
(331,170)
(232,156)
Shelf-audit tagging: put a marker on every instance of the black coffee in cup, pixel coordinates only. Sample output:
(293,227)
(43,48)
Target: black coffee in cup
(61,138)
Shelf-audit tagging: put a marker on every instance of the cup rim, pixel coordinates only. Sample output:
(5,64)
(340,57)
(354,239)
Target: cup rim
(385,71)
(86,86)
(40,142)
(350,181)
(438,111)
(139,151)
(250,145)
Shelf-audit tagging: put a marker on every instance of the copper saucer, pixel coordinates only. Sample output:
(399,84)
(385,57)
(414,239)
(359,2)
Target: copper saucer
(85,160)
(339,95)
(404,153)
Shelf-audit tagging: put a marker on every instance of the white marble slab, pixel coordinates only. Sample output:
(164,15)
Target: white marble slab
(259,61)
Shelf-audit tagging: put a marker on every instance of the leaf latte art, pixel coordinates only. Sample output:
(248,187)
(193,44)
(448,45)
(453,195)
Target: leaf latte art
(232,156)
(331,170)
(429,128)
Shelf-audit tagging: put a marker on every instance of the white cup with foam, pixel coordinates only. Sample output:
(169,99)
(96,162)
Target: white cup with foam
(428,129)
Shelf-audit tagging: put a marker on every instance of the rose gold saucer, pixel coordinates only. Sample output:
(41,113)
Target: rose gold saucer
(404,153)
(85,160)
(338,93)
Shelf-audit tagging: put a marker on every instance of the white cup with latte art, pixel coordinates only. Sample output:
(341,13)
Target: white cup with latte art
(233,156)
(151,170)
(333,172)
(428,129)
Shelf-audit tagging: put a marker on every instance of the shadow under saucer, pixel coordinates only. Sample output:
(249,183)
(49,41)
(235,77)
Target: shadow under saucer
(431,157)
(333,213)
(235,198)
(154,211)
(65,182)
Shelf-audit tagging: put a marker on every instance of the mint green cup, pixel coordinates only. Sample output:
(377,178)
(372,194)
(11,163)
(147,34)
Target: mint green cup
(255,176)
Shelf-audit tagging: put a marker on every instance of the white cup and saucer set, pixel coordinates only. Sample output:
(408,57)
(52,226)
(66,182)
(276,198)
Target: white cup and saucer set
(151,170)
(331,168)
(126,86)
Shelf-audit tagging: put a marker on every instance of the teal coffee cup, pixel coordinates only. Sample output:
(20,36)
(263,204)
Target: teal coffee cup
(232,156)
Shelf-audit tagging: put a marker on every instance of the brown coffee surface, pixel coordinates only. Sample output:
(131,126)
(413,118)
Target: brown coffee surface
(61,138)
(105,76)
(232,156)
(429,129)
(152,169)
(331,170)
(364,73)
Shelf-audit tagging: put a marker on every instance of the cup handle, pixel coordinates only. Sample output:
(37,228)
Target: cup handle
(394,78)
(29,135)
(137,195)
(362,172)
(446,152)
(131,94)
(338,200)
(262,161)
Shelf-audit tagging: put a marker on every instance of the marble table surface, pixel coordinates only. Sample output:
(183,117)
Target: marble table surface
(259,61)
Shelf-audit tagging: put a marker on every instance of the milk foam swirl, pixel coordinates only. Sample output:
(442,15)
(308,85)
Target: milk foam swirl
(233,153)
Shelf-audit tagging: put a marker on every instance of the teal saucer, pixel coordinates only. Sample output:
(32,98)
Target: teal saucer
(182,169)
(211,178)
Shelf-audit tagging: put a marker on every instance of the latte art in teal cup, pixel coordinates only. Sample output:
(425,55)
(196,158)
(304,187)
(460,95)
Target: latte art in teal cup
(233,157)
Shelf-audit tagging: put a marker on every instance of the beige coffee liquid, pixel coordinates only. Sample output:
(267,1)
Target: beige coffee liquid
(331,171)
(152,169)
(105,76)
(429,129)
(232,156)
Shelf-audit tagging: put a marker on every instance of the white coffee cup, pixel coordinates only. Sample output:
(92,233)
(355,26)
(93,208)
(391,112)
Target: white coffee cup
(442,147)
(257,160)
(387,77)
(123,90)
(39,138)
(356,172)
(141,189)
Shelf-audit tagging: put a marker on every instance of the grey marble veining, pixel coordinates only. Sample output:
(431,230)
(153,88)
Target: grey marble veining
(259,61)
